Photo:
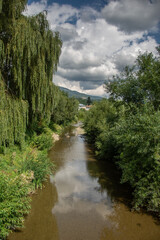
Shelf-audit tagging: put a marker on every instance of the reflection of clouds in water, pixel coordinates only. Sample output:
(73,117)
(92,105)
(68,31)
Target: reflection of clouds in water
(77,191)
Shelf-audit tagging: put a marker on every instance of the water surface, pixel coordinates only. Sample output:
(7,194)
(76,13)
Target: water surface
(83,200)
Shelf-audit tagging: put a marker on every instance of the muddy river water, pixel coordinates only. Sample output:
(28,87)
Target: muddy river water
(83,200)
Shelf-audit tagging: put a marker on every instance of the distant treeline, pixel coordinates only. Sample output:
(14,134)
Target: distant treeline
(126,129)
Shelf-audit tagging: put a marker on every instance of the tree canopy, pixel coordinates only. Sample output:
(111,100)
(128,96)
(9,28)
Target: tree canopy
(138,84)
(29,56)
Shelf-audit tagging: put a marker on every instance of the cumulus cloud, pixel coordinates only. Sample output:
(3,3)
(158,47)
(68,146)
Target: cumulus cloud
(88,14)
(56,14)
(36,7)
(128,55)
(67,32)
(99,44)
(129,15)
(60,14)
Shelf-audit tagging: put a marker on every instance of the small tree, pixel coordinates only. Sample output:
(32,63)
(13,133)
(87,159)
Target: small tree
(89,101)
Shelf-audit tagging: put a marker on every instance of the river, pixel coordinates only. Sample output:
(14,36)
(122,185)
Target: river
(83,200)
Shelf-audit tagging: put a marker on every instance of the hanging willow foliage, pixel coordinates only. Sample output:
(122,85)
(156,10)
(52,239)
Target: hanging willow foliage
(12,8)
(13,118)
(32,56)
(29,55)
(0,6)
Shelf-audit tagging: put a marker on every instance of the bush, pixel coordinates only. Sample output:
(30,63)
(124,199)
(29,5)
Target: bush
(56,128)
(22,172)
(133,135)
(43,141)
(82,114)
(138,137)
(99,119)
(14,202)
(39,163)
(132,139)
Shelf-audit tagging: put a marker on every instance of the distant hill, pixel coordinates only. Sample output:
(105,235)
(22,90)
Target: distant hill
(80,96)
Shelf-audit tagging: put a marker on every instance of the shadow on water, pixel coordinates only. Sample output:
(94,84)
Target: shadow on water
(108,176)
(109,180)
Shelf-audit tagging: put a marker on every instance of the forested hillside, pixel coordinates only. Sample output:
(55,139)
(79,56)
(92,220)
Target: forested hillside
(31,107)
(126,129)
(82,98)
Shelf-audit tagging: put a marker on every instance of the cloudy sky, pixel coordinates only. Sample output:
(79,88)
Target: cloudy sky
(99,37)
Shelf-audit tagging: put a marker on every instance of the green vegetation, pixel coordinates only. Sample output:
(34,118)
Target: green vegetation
(65,111)
(31,108)
(29,55)
(126,129)
(81,114)
(22,171)
(89,101)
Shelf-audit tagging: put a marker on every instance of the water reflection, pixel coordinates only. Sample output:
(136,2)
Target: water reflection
(80,201)
(83,200)
(91,202)
(77,191)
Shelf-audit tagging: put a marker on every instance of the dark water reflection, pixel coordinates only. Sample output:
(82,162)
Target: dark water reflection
(83,200)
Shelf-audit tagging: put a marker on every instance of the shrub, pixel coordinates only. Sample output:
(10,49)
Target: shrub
(56,128)
(43,141)
(138,137)
(21,172)
(82,114)
(14,202)
(37,162)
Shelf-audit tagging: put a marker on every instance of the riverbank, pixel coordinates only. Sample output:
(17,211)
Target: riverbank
(84,199)
(22,171)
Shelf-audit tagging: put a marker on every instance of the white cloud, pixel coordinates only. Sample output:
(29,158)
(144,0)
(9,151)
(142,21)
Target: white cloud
(36,7)
(129,15)
(59,14)
(88,14)
(68,31)
(94,47)
(97,91)
(56,14)
(76,86)
(128,55)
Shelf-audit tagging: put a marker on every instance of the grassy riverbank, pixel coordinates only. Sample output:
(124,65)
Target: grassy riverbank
(22,171)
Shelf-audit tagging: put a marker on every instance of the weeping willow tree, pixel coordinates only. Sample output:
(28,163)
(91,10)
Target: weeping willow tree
(13,118)
(32,56)
(29,55)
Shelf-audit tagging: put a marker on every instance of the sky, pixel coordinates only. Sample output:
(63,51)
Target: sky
(100,37)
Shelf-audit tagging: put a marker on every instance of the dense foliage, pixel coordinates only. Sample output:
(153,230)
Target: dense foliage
(29,104)
(126,129)
(21,172)
(29,55)
(13,118)
(65,110)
